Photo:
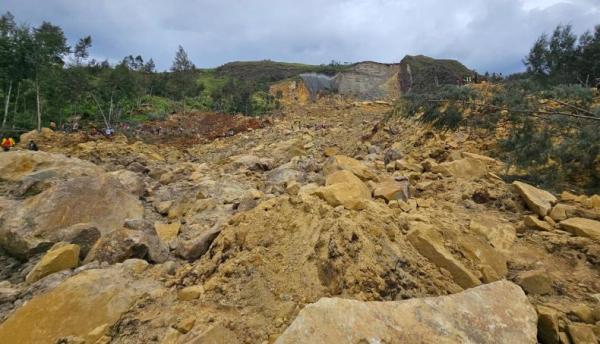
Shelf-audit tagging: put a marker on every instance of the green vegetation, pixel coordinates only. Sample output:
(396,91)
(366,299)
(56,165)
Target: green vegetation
(43,80)
(421,73)
(547,120)
(552,133)
(562,58)
(264,72)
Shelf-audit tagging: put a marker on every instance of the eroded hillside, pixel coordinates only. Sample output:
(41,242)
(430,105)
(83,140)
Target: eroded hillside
(226,241)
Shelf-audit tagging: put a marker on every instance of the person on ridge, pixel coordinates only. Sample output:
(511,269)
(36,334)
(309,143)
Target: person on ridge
(7,143)
(32,146)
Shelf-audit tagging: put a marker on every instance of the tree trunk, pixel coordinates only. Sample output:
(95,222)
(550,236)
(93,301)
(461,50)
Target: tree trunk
(39,110)
(17,100)
(110,111)
(6,104)
(101,111)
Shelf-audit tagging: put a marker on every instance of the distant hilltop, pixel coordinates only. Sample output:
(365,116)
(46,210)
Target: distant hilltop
(374,80)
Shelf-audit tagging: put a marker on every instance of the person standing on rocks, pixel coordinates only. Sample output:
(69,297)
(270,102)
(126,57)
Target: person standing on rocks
(7,143)
(32,146)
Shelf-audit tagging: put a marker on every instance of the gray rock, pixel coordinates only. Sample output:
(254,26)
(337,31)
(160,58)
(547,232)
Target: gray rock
(391,155)
(195,248)
(125,243)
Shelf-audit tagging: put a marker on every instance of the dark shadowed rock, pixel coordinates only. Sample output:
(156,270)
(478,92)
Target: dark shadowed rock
(195,248)
(124,243)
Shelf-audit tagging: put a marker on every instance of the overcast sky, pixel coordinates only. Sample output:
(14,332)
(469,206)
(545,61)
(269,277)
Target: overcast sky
(487,35)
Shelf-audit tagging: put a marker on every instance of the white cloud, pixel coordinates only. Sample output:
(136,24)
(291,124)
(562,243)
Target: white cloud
(489,35)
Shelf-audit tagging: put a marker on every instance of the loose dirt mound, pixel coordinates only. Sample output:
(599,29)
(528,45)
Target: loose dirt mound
(197,127)
(271,261)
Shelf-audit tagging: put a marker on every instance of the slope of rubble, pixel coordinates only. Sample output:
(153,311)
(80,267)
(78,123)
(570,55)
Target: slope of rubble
(227,241)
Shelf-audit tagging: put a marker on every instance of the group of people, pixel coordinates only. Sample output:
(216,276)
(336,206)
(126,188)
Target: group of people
(8,143)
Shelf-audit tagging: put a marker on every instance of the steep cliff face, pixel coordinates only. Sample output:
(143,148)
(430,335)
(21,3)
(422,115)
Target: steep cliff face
(369,80)
(289,92)
(373,80)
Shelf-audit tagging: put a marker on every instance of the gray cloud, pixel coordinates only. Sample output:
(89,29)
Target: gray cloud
(488,35)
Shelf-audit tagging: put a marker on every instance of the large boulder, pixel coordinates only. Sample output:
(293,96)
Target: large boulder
(532,221)
(582,334)
(538,200)
(548,331)
(33,172)
(77,306)
(73,192)
(342,162)
(582,227)
(492,313)
(535,282)
(345,189)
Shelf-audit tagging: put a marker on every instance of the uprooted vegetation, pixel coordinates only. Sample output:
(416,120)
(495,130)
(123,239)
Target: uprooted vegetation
(550,134)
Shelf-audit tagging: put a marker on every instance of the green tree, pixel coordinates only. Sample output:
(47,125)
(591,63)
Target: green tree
(182,62)
(81,51)
(560,59)
(588,62)
(49,49)
(182,81)
(7,58)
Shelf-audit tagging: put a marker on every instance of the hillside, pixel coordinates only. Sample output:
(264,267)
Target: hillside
(373,80)
(274,231)
(421,73)
(265,72)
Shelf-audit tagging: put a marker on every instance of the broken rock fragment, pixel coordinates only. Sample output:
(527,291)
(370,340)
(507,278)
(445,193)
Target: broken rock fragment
(533,222)
(431,246)
(582,227)
(60,257)
(467,168)
(538,200)
(342,162)
(493,313)
(344,188)
(393,189)
(535,282)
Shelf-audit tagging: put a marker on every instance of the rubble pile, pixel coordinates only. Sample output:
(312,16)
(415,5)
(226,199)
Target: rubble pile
(327,225)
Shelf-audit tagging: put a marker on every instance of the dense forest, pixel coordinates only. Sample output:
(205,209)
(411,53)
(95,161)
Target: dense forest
(43,79)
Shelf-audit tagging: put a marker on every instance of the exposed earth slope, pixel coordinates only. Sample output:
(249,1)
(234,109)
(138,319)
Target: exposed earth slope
(324,207)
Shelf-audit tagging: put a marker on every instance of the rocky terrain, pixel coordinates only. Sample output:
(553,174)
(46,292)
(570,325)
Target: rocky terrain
(329,222)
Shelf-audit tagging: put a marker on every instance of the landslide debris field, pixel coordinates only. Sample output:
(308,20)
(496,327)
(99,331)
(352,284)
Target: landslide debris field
(286,230)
